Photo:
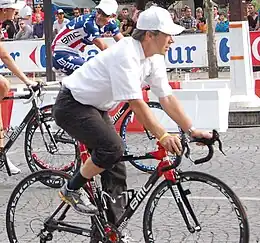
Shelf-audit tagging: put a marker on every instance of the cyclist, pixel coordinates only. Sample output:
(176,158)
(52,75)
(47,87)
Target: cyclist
(7,11)
(81,31)
(113,76)
(66,57)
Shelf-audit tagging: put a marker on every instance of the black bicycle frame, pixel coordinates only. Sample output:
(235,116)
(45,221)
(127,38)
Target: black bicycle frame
(16,133)
(139,196)
(134,203)
(120,113)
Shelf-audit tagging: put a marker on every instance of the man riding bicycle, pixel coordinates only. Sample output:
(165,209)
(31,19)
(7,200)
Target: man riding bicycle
(81,31)
(117,75)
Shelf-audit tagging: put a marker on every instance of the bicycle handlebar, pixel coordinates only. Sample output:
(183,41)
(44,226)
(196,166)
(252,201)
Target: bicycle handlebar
(32,91)
(209,142)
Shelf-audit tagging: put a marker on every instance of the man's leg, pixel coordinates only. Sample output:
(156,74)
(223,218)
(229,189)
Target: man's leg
(114,183)
(86,124)
(13,169)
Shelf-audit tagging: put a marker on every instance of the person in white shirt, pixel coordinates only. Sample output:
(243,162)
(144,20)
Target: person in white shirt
(117,75)
(60,22)
(26,14)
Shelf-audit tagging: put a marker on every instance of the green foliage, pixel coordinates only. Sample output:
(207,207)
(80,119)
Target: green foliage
(257,4)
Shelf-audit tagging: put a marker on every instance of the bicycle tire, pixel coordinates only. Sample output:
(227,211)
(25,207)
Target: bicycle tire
(34,163)
(142,166)
(40,176)
(241,228)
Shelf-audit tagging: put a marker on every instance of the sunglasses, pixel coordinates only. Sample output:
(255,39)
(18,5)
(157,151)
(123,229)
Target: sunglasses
(99,11)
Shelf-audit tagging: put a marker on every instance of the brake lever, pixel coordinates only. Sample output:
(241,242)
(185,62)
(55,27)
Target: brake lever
(207,142)
(220,148)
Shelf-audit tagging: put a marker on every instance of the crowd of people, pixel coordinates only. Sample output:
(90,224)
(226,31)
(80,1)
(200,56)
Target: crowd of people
(29,23)
(26,24)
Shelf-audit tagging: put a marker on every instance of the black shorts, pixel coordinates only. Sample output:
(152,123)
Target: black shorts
(90,126)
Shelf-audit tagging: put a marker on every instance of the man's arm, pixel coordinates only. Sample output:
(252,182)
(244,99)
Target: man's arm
(118,37)
(100,44)
(147,118)
(128,30)
(11,65)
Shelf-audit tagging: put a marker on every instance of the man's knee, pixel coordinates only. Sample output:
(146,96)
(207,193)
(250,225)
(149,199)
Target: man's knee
(107,157)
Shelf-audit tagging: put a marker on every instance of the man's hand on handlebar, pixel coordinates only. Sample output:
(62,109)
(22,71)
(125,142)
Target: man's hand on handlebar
(201,134)
(172,143)
(31,83)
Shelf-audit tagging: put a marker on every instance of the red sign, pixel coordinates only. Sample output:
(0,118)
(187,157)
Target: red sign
(255,47)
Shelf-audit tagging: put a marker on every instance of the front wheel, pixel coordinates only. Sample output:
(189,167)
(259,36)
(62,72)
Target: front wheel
(219,212)
(47,146)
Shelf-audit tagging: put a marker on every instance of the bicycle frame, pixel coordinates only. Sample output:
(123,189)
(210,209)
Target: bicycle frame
(166,168)
(134,203)
(18,130)
(116,117)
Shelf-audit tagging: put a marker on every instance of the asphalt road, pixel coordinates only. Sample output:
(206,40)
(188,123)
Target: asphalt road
(240,169)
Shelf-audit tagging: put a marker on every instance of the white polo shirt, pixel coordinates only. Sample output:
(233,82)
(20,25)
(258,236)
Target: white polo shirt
(118,74)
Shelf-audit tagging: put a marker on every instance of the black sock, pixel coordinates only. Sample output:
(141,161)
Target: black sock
(77,181)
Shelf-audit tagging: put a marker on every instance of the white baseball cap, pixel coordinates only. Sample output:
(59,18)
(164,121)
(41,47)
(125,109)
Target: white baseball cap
(60,10)
(109,7)
(157,18)
(15,4)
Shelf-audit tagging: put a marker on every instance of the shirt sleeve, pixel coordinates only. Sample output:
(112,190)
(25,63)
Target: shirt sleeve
(125,80)
(112,27)
(91,31)
(158,79)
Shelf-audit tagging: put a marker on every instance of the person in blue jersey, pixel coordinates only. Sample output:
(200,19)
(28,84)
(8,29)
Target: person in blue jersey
(81,31)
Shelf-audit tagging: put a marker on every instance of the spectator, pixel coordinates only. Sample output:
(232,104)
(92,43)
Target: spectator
(37,10)
(3,32)
(137,16)
(76,12)
(25,31)
(215,15)
(174,16)
(200,21)
(86,11)
(252,17)
(183,12)
(222,24)
(150,4)
(123,15)
(26,14)
(188,21)
(135,12)
(126,27)
(60,22)
(11,26)
(38,27)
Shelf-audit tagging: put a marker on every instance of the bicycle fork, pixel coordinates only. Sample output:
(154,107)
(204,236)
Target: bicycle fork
(182,201)
(51,137)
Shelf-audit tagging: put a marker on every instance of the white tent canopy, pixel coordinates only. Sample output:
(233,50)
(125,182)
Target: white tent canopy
(75,3)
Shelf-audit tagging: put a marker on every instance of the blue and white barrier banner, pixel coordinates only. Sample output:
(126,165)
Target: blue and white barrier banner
(186,52)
